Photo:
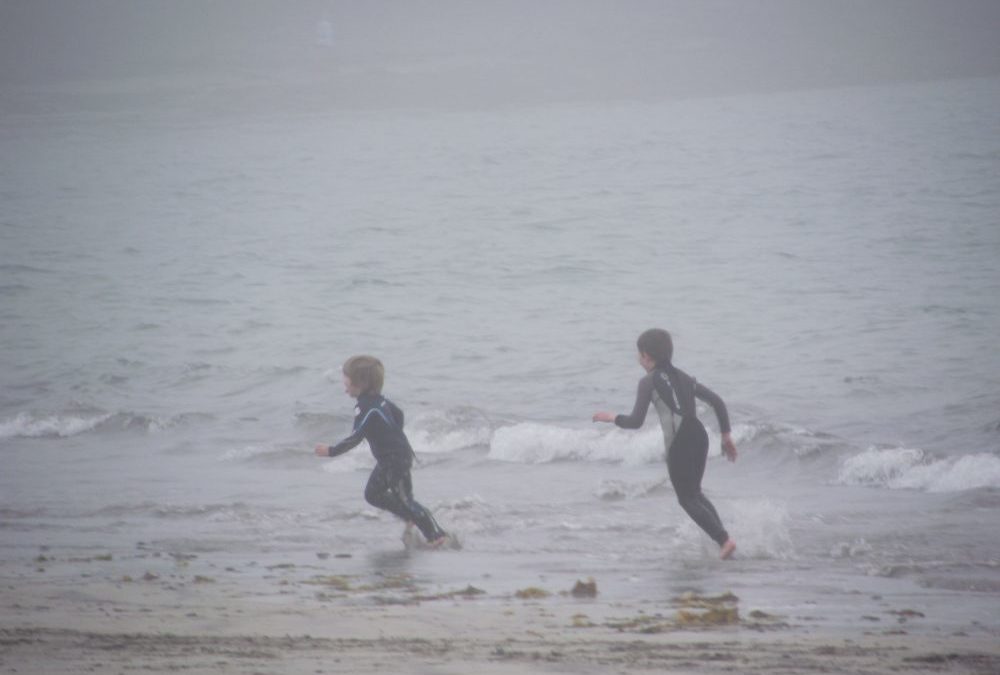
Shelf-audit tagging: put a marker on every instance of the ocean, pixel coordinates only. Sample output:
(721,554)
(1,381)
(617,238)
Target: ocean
(178,292)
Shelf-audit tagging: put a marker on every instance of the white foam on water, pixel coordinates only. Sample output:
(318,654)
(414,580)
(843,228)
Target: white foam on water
(533,443)
(854,549)
(246,452)
(32,425)
(449,430)
(878,467)
(953,475)
(611,489)
(73,423)
(427,441)
(470,514)
(913,469)
(758,526)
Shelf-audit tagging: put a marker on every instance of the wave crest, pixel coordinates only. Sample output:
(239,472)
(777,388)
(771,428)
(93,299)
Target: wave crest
(74,423)
(614,490)
(532,443)
(454,429)
(34,425)
(913,469)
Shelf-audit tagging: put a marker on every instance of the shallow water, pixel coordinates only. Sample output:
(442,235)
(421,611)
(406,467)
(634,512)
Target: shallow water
(178,292)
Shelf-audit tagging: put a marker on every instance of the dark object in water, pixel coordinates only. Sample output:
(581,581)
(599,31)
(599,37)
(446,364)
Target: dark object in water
(584,589)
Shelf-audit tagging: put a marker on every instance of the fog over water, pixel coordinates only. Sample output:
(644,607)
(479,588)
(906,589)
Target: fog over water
(206,206)
(460,53)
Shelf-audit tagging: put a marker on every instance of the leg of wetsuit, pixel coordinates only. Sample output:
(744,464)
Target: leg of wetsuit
(686,466)
(420,515)
(391,488)
(379,492)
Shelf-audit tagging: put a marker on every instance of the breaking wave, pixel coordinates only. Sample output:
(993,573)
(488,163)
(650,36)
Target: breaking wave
(533,443)
(914,469)
(449,431)
(67,424)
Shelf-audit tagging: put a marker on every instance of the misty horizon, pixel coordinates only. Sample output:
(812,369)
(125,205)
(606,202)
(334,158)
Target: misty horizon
(449,51)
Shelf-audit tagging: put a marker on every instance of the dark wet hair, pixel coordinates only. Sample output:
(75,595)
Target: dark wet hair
(658,344)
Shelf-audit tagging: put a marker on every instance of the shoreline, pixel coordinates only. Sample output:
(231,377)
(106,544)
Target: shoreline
(33,650)
(291,620)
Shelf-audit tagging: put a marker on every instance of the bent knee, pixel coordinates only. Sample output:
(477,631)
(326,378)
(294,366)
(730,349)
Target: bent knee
(688,499)
(374,497)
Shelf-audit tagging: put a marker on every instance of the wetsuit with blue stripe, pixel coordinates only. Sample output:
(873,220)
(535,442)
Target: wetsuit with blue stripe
(673,393)
(390,487)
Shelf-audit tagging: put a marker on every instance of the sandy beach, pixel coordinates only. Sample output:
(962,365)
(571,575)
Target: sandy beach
(163,612)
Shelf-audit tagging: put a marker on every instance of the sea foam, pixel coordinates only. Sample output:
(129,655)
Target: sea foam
(913,469)
(758,526)
(449,431)
(32,425)
(74,423)
(533,443)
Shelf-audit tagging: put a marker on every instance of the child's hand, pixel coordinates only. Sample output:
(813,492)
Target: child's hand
(603,417)
(323,450)
(728,447)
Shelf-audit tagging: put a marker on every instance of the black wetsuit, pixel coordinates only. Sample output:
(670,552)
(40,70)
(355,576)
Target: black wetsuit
(688,450)
(380,422)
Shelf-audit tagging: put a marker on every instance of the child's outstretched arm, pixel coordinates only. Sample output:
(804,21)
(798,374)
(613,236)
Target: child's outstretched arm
(342,447)
(635,419)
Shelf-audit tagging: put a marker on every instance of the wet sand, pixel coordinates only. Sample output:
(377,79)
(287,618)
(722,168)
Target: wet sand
(174,612)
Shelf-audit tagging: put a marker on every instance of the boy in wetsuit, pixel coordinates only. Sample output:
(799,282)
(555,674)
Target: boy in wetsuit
(673,394)
(380,422)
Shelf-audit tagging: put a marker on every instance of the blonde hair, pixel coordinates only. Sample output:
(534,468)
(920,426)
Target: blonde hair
(366,373)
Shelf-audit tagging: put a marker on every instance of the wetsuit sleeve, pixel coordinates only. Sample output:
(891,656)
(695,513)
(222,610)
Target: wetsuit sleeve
(714,400)
(350,442)
(643,397)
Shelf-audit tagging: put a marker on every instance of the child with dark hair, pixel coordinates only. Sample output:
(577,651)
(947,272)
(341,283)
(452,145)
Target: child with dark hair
(673,392)
(380,422)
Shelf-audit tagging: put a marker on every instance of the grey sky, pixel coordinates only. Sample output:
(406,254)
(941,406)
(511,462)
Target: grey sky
(524,48)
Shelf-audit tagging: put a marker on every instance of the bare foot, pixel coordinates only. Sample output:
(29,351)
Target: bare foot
(439,542)
(727,549)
